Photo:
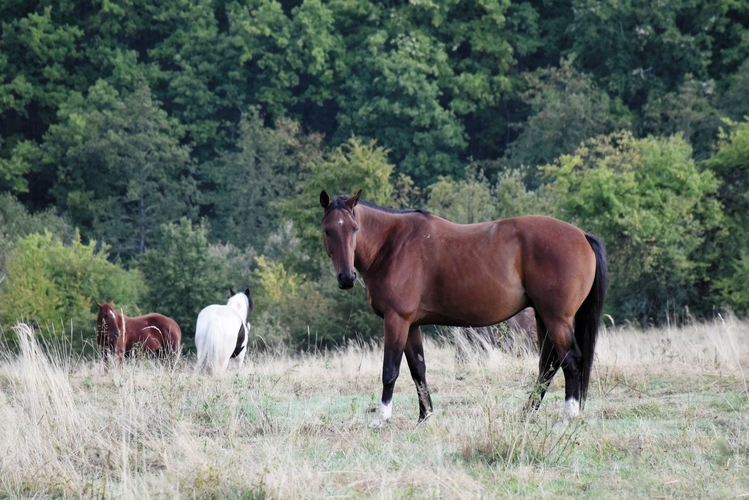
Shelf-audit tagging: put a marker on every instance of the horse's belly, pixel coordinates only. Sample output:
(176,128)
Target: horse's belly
(474,306)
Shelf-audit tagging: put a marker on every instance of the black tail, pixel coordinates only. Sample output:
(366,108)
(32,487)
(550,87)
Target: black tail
(588,317)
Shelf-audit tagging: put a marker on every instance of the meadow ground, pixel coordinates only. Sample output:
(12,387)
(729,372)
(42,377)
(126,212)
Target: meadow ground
(667,416)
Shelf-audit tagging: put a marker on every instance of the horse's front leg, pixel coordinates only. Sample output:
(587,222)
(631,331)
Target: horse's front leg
(415,357)
(120,352)
(104,352)
(396,333)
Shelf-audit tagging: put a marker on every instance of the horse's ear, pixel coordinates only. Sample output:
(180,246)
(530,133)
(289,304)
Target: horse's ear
(251,304)
(324,199)
(100,305)
(231,291)
(352,202)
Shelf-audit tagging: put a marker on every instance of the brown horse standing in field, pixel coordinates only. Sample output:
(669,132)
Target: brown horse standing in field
(420,269)
(118,334)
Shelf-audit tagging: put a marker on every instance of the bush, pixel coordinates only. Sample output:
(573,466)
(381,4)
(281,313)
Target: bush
(54,285)
(652,208)
(306,315)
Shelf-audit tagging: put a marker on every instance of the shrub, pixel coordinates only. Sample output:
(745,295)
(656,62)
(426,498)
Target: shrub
(54,285)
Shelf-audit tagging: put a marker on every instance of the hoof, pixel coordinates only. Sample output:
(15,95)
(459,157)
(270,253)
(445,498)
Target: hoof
(422,420)
(376,423)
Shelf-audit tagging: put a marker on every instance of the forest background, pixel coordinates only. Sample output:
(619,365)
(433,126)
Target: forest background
(157,153)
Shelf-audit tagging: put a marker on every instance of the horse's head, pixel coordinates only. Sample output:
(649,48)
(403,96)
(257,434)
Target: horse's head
(107,322)
(339,227)
(242,302)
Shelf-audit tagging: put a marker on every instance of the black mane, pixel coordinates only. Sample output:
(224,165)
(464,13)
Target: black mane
(340,202)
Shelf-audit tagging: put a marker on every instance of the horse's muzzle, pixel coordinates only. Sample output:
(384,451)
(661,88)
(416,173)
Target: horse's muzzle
(346,280)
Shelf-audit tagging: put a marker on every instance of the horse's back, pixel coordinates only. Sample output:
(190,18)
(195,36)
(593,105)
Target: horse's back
(153,331)
(480,274)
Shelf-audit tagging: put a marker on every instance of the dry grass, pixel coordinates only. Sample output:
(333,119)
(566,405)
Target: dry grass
(668,415)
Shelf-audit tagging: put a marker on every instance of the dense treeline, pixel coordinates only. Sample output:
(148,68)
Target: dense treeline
(157,152)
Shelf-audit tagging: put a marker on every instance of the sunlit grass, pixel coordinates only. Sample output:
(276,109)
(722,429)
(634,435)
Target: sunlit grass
(667,415)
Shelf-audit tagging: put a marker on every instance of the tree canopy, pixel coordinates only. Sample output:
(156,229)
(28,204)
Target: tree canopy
(139,123)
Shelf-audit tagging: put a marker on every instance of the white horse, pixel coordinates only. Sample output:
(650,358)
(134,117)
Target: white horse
(222,331)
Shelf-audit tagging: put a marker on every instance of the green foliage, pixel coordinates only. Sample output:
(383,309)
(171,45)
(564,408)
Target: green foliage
(566,109)
(735,100)
(474,199)
(184,276)
(345,170)
(16,222)
(395,97)
(634,48)
(243,183)
(120,168)
(464,202)
(13,170)
(731,166)
(305,314)
(688,111)
(52,284)
(651,206)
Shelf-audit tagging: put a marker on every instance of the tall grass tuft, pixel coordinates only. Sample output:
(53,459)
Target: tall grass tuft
(44,431)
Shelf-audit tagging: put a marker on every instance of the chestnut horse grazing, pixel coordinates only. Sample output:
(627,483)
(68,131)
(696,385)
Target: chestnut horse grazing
(420,269)
(118,334)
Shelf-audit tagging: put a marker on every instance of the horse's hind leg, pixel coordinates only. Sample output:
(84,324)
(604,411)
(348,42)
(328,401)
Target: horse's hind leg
(415,357)
(548,364)
(559,348)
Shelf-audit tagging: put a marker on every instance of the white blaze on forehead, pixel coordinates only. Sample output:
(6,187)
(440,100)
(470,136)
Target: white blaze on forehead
(340,222)
(113,316)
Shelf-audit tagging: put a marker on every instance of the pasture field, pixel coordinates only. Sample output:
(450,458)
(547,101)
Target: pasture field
(667,416)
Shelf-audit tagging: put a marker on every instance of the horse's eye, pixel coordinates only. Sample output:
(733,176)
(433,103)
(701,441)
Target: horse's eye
(327,233)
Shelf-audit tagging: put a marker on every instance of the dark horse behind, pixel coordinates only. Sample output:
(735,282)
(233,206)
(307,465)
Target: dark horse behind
(420,269)
(119,335)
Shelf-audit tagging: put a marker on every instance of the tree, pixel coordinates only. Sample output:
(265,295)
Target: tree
(464,202)
(566,109)
(184,275)
(652,207)
(395,97)
(688,111)
(120,168)
(637,47)
(16,222)
(242,184)
(734,102)
(729,267)
(474,199)
(344,170)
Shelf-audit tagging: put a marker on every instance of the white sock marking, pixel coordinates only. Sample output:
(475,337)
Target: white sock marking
(571,407)
(385,411)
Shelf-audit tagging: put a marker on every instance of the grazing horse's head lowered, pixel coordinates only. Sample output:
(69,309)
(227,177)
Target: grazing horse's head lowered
(107,324)
(339,234)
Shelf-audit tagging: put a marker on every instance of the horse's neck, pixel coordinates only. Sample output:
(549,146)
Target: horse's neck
(376,228)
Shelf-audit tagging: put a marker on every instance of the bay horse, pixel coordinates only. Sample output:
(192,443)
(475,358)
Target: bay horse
(222,332)
(118,334)
(420,269)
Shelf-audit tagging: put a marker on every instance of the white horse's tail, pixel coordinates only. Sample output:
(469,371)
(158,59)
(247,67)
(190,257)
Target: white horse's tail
(207,352)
